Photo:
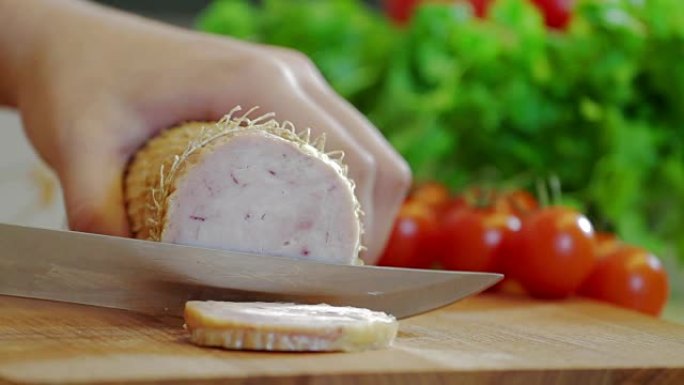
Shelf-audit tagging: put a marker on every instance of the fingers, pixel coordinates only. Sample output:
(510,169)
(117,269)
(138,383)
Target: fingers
(393,176)
(276,90)
(91,178)
(94,202)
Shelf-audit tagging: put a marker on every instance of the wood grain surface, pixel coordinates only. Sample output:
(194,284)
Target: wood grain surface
(483,340)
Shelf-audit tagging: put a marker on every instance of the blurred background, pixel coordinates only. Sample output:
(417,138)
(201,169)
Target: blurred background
(497,93)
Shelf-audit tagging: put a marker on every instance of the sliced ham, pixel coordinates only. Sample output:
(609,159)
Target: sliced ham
(287,327)
(245,185)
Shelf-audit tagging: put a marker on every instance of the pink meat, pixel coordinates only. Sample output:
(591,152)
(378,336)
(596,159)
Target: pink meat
(259,193)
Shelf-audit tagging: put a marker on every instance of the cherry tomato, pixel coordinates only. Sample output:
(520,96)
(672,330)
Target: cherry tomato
(480,7)
(557,13)
(631,277)
(471,238)
(456,203)
(605,243)
(473,196)
(414,229)
(553,253)
(433,194)
(435,197)
(400,11)
(518,202)
(507,286)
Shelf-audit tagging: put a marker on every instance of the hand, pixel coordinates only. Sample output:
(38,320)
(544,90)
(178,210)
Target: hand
(102,82)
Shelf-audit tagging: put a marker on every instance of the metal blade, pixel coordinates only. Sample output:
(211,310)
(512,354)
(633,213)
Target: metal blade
(156,278)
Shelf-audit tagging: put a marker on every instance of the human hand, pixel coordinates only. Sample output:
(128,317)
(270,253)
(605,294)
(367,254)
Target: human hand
(101,83)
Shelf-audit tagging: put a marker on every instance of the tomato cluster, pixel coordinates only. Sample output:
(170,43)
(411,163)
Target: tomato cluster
(556,13)
(549,252)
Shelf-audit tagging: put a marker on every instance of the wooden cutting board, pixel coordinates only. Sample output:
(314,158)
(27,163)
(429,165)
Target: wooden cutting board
(482,340)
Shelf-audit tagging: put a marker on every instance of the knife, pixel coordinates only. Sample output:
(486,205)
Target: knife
(158,278)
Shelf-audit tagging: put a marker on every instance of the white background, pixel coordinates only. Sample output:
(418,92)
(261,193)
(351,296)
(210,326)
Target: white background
(29,192)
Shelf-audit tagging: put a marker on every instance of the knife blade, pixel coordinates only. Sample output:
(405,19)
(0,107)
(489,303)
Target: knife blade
(158,278)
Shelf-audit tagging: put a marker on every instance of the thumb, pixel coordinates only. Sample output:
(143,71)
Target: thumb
(93,192)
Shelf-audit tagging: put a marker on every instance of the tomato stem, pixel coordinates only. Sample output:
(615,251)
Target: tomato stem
(542,192)
(555,185)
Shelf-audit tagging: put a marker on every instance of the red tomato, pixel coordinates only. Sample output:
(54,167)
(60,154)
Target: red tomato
(518,202)
(454,204)
(557,13)
(471,238)
(553,253)
(507,286)
(433,194)
(480,7)
(631,277)
(434,197)
(473,196)
(414,229)
(400,11)
(605,243)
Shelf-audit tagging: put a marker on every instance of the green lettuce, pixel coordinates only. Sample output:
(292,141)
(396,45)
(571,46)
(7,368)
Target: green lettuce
(505,100)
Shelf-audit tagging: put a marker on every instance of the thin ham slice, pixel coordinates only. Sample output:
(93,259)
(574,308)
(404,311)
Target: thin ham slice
(287,327)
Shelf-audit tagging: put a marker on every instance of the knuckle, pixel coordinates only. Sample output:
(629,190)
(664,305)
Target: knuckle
(301,64)
(301,61)
(271,70)
(297,59)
